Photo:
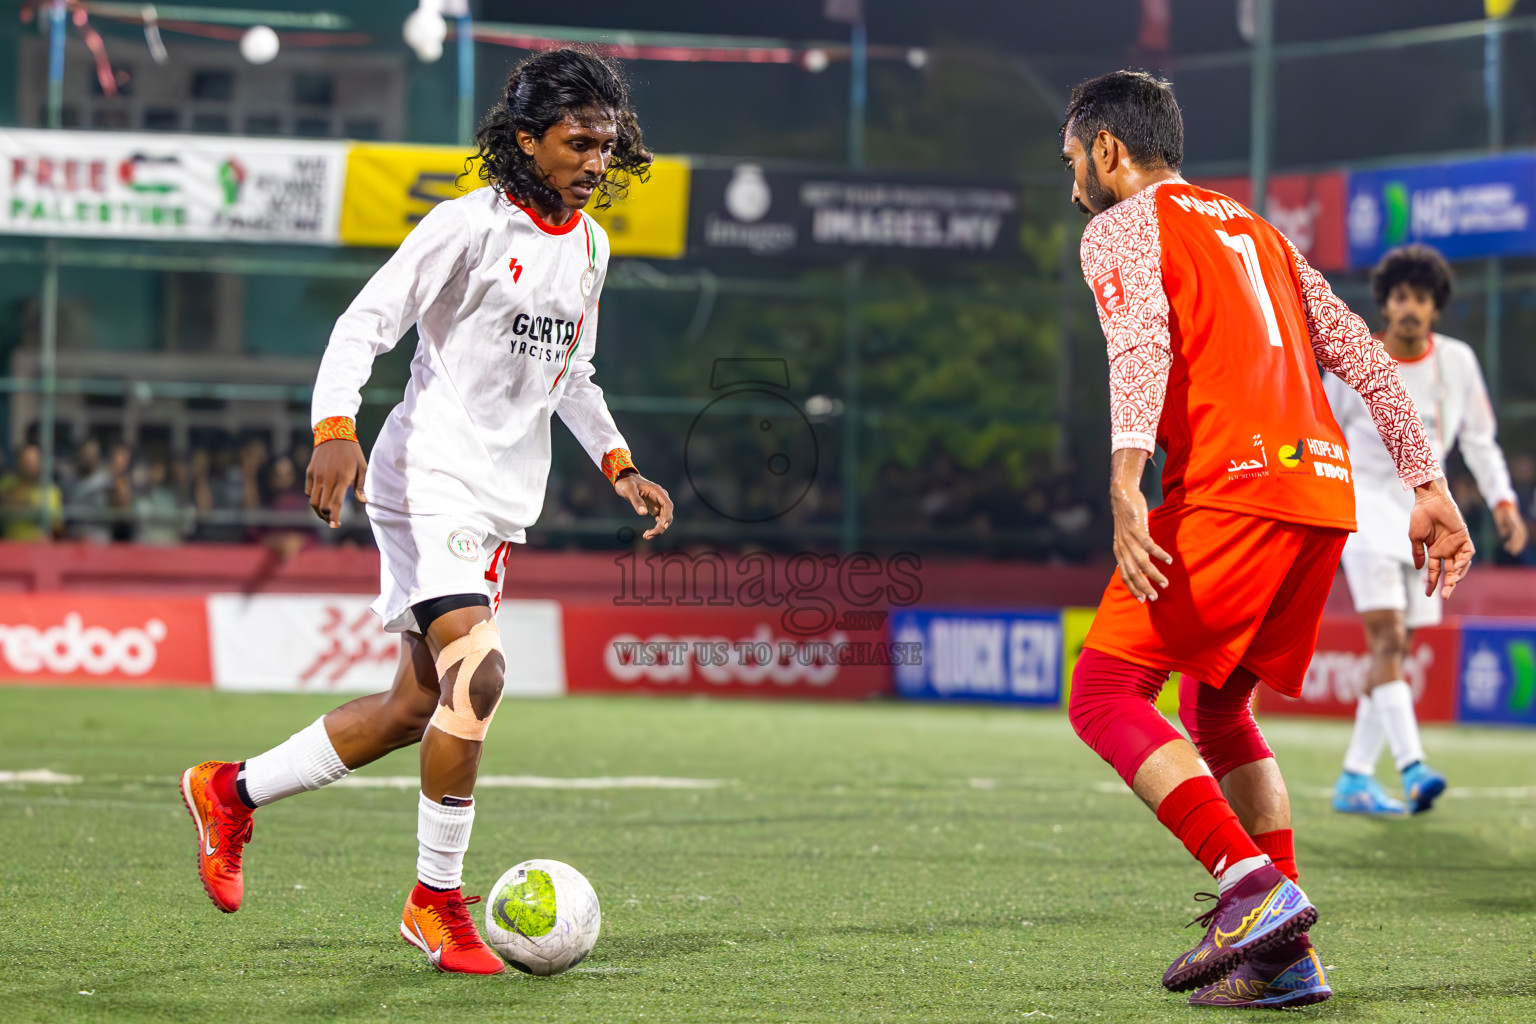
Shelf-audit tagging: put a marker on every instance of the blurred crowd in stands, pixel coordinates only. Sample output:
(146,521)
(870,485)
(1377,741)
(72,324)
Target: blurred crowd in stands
(242,491)
(230,493)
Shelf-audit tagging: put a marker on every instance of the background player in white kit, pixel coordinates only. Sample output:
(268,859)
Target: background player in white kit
(1412,285)
(503,286)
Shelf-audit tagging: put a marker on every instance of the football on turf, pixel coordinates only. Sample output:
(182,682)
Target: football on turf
(542,917)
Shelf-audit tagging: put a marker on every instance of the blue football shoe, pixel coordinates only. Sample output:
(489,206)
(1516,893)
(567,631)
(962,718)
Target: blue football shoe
(1422,786)
(1362,794)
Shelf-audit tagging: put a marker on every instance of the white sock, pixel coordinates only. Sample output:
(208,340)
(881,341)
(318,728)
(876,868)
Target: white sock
(442,836)
(306,760)
(1234,873)
(1394,710)
(1366,741)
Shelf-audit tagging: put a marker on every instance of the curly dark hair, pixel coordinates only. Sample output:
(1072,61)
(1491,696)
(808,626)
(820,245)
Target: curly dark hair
(542,91)
(1421,266)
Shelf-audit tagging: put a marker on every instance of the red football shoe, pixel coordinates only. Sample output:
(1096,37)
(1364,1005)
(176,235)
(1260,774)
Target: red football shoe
(223,829)
(438,924)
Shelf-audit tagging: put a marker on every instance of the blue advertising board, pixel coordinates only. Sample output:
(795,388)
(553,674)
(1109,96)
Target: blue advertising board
(1469,209)
(1498,672)
(1010,656)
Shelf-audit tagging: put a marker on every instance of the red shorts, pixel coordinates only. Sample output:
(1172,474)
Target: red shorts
(1242,591)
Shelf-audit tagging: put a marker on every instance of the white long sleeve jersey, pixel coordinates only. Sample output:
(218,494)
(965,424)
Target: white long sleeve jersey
(1447,386)
(505,306)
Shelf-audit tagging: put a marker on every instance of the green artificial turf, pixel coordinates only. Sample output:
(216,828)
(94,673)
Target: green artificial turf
(876,862)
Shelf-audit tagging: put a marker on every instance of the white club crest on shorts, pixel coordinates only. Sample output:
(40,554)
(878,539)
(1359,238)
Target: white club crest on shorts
(464,545)
(588,279)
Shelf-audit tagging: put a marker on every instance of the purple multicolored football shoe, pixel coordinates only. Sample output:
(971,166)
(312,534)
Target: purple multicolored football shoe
(1288,976)
(1259,913)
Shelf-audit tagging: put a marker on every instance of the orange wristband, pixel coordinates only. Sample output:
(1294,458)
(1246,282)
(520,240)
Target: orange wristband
(335,428)
(616,462)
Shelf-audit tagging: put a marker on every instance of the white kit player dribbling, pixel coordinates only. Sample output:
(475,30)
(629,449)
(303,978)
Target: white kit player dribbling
(507,311)
(1411,285)
(502,286)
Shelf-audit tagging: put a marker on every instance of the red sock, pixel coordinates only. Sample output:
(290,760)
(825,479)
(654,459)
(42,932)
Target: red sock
(425,895)
(223,786)
(1280,849)
(1205,823)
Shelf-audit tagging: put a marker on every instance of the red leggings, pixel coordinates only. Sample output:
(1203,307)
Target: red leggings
(1111,709)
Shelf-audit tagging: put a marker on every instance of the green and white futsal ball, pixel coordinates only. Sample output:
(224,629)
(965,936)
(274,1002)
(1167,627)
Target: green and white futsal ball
(542,917)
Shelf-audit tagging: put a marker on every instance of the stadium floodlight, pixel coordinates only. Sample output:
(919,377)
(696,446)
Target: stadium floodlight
(425,29)
(259,45)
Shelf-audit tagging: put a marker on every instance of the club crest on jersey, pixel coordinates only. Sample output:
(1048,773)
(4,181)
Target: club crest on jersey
(463,545)
(1109,290)
(516,268)
(588,279)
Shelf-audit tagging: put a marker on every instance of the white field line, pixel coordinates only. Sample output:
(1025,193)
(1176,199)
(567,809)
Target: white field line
(541,782)
(1465,792)
(40,776)
(48,777)
(1498,792)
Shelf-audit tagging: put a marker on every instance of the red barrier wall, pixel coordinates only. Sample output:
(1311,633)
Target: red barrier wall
(1337,673)
(726,652)
(597,577)
(91,639)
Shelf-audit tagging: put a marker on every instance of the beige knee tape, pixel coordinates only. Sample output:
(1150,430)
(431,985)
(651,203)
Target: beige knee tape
(457,717)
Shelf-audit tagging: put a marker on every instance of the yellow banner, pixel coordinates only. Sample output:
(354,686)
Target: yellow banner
(652,220)
(391,187)
(1074,630)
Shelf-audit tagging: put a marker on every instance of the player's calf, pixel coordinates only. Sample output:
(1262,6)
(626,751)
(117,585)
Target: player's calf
(471,671)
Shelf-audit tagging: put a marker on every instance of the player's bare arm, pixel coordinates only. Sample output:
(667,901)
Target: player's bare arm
(1510,525)
(648,499)
(1346,348)
(1136,553)
(1439,535)
(337,465)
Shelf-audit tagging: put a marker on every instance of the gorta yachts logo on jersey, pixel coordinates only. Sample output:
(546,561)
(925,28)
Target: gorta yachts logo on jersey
(541,337)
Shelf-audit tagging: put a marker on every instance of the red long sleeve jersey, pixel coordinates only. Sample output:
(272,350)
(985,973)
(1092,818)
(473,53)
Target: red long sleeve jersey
(1214,323)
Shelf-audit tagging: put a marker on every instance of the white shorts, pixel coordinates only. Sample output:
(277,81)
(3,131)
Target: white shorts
(422,557)
(1382,583)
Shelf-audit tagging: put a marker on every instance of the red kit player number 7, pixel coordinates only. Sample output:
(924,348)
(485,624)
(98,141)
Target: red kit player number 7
(1215,326)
